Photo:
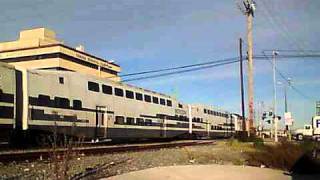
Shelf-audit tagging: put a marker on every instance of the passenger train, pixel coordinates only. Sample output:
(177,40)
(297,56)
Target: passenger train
(40,102)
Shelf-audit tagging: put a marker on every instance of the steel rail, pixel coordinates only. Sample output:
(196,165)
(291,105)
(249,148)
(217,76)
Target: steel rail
(33,155)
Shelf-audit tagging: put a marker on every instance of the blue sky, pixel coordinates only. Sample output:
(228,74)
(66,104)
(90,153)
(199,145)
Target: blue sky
(150,34)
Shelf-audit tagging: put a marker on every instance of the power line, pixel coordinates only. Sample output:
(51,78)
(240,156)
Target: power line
(258,57)
(290,50)
(289,56)
(182,71)
(179,67)
(287,81)
(278,24)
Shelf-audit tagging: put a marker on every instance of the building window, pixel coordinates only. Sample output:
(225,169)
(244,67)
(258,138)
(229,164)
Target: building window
(162,101)
(169,103)
(118,92)
(139,96)
(92,86)
(155,100)
(77,104)
(147,98)
(61,80)
(130,120)
(106,89)
(205,111)
(129,94)
(180,105)
(119,120)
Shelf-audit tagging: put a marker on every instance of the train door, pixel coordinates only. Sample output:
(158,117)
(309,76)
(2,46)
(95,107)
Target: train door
(163,127)
(101,124)
(208,128)
(110,123)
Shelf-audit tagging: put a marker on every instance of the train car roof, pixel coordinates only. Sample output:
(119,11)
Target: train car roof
(66,72)
(3,64)
(211,107)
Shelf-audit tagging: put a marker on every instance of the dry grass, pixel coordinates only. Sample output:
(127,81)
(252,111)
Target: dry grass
(279,156)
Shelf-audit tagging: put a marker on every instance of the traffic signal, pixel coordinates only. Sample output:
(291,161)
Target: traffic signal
(270,114)
(264,116)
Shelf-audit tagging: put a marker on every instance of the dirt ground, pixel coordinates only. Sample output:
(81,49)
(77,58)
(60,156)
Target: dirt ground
(118,163)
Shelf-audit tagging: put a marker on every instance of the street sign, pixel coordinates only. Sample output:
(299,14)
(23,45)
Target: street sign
(288,119)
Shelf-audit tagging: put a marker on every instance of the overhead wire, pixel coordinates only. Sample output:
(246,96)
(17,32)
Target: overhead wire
(182,71)
(287,81)
(179,67)
(278,25)
(258,57)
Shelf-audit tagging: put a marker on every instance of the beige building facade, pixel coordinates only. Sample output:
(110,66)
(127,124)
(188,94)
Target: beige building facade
(40,49)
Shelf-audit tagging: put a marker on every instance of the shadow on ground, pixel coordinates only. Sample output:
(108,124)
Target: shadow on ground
(307,167)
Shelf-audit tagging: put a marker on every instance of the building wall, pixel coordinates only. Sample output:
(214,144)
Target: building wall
(39,49)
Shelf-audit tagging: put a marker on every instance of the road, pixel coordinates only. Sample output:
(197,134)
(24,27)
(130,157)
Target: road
(208,172)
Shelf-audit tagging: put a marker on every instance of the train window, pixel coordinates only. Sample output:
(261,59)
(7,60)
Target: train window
(118,92)
(140,122)
(106,89)
(130,120)
(61,80)
(61,102)
(169,103)
(92,86)
(77,104)
(147,98)
(129,94)
(162,101)
(155,100)
(180,105)
(119,120)
(43,100)
(139,96)
(148,122)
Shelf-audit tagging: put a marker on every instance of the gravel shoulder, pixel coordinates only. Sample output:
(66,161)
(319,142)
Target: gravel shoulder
(111,165)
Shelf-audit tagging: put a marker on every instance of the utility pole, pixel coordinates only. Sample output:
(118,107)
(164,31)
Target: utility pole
(286,106)
(275,118)
(249,12)
(241,87)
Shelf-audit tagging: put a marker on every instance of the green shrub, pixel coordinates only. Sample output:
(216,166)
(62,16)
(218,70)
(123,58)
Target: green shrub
(258,143)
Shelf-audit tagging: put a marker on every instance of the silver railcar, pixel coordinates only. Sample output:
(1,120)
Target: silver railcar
(7,100)
(74,104)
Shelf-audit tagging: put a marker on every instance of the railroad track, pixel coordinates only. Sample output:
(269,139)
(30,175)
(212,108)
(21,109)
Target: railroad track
(32,155)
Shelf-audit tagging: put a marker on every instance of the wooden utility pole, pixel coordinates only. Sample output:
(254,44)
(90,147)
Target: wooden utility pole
(250,71)
(249,12)
(241,87)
